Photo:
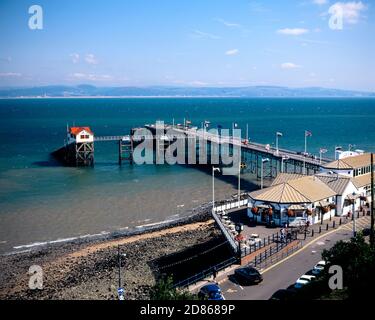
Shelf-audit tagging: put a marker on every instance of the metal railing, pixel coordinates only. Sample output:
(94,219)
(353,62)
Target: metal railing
(266,258)
(205,273)
(111,138)
(275,238)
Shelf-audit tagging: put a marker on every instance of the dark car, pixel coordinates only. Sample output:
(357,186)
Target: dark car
(210,292)
(284,294)
(248,275)
(366,232)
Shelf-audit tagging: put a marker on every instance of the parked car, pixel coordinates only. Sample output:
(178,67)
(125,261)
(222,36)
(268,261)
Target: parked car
(303,280)
(248,275)
(284,294)
(210,292)
(366,232)
(319,267)
(254,239)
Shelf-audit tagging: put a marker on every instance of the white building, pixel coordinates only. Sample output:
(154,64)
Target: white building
(358,168)
(346,192)
(291,196)
(80,135)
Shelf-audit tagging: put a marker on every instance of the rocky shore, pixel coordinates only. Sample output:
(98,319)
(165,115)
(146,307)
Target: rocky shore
(88,269)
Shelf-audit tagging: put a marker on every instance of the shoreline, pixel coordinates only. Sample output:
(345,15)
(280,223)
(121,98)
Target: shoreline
(197,214)
(70,268)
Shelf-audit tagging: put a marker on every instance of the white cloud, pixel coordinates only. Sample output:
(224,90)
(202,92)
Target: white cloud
(204,35)
(320,2)
(229,24)
(292,32)
(289,65)
(74,57)
(232,52)
(10,74)
(91,59)
(350,11)
(91,77)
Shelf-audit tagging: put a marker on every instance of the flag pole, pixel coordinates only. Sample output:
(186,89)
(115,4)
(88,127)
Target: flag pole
(372,239)
(304,155)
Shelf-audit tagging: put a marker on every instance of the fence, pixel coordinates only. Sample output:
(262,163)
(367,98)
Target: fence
(274,255)
(225,232)
(205,273)
(231,204)
(275,238)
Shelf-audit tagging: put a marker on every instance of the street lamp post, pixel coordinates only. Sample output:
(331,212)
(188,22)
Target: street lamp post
(353,212)
(213,187)
(307,134)
(282,162)
(120,290)
(278,134)
(239,181)
(320,154)
(261,171)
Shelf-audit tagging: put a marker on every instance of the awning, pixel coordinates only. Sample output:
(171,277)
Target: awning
(296,207)
(323,204)
(352,197)
(263,206)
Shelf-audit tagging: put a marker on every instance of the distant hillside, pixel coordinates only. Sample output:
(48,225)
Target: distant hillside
(256,91)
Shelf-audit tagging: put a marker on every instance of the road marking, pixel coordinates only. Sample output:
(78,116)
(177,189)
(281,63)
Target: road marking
(303,248)
(298,251)
(235,281)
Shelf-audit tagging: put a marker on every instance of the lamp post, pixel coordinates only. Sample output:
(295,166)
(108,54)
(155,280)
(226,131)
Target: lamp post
(353,212)
(120,290)
(278,134)
(372,236)
(320,154)
(261,171)
(213,187)
(239,181)
(307,134)
(282,162)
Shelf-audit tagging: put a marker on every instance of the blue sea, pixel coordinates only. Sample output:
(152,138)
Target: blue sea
(43,201)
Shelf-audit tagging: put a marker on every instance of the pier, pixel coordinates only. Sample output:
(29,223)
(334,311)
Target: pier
(263,160)
(252,154)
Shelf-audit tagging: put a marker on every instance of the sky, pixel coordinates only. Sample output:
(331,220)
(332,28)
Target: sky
(294,43)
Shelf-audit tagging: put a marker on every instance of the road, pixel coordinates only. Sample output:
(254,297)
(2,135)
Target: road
(287,271)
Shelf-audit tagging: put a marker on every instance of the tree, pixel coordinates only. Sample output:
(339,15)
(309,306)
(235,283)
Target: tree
(164,290)
(357,260)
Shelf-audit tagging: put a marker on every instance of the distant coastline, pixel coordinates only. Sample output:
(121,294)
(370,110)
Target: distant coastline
(187,97)
(88,91)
